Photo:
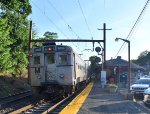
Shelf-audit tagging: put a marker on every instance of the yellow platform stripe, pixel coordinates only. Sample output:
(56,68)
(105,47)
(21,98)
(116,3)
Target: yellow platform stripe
(75,105)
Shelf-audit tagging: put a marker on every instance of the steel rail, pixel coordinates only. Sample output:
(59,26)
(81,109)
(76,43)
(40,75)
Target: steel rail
(14,97)
(44,108)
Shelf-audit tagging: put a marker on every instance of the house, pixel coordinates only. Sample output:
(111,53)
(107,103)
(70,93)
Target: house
(118,69)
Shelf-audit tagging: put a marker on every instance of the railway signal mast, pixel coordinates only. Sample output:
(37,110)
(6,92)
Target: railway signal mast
(104,38)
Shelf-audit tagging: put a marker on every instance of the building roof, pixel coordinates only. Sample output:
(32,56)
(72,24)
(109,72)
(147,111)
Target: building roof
(122,63)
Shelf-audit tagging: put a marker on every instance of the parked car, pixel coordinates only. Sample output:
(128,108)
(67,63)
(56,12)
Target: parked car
(145,76)
(140,86)
(147,97)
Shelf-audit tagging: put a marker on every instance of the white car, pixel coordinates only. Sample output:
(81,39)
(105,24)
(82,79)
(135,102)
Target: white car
(140,86)
(147,97)
(145,76)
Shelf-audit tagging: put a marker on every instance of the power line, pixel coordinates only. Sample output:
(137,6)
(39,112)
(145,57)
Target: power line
(69,27)
(50,20)
(55,24)
(138,19)
(85,18)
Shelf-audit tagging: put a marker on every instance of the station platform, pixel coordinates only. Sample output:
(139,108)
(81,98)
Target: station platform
(96,100)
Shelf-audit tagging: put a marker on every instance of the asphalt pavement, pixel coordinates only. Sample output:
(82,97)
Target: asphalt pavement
(101,101)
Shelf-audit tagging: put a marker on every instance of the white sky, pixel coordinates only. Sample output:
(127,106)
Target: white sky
(120,15)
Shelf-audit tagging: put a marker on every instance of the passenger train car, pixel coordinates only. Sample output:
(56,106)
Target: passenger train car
(56,69)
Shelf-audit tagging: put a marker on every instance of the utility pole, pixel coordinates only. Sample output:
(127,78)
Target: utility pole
(29,47)
(104,38)
(30,36)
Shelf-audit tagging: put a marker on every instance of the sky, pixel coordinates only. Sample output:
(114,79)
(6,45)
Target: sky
(80,19)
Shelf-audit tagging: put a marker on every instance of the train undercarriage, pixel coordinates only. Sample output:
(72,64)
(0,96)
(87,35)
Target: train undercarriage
(56,90)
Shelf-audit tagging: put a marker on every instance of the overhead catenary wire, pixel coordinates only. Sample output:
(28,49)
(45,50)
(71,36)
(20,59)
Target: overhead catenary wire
(134,26)
(50,20)
(53,23)
(69,27)
(85,19)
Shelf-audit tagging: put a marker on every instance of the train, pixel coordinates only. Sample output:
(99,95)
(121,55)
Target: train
(56,69)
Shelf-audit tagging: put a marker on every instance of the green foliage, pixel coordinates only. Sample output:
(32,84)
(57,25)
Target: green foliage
(93,62)
(50,35)
(47,36)
(19,62)
(16,7)
(14,35)
(93,65)
(34,31)
(143,58)
(5,56)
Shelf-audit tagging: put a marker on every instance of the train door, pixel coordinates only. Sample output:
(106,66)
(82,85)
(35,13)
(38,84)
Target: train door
(74,60)
(50,73)
(37,69)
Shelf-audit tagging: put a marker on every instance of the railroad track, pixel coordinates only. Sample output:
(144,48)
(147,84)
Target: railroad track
(47,107)
(11,98)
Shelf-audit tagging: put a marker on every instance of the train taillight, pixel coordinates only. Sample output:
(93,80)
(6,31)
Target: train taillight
(49,49)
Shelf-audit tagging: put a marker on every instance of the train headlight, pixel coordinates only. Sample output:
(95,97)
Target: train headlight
(38,76)
(61,75)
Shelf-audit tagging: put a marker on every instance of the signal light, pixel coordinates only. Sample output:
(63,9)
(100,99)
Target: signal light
(49,49)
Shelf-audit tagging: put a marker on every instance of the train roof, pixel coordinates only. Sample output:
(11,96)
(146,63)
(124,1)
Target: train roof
(53,44)
(39,49)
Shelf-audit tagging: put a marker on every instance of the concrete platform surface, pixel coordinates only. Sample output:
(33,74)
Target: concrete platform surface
(100,101)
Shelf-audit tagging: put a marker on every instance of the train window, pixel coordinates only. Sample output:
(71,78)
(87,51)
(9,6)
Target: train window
(36,60)
(79,66)
(63,59)
(50,58)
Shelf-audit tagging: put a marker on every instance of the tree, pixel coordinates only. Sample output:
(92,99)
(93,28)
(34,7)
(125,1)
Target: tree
(143,54)
(93,65)
(14,13)
(143,58)
(47,36)
(34,31)
(50,35)
(5,56)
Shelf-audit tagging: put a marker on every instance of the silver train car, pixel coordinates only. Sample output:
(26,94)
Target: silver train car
(56,69)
